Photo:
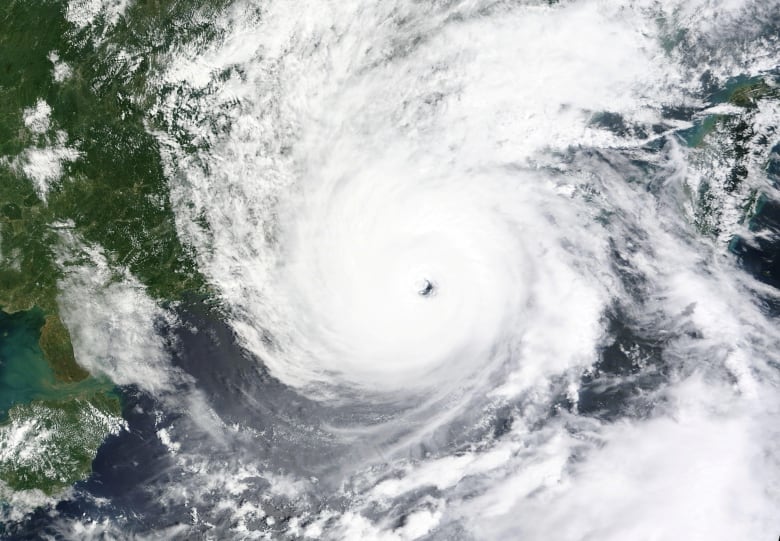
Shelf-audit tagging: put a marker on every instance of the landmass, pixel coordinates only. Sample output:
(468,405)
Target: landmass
(74,154)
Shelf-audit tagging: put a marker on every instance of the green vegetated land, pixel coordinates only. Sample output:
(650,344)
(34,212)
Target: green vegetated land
(113,195)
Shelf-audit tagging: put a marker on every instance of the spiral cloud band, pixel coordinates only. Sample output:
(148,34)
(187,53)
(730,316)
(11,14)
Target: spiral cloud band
(386,193)
(464,235)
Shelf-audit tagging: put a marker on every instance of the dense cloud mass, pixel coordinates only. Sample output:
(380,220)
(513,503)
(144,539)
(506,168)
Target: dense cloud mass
(480,270)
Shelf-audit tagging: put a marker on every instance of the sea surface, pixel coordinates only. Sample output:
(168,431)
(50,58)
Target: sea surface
(407,270)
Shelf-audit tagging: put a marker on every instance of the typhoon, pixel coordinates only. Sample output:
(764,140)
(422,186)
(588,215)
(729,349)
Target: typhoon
(447,270)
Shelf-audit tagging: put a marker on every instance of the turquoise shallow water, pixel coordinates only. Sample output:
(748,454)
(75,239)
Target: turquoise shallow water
(259,95)
(25,375)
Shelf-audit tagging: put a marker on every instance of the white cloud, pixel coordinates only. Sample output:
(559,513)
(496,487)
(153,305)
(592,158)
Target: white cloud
(61,70)
(82,13)
(38,118)
(357,150)
(112,320)
(44,165)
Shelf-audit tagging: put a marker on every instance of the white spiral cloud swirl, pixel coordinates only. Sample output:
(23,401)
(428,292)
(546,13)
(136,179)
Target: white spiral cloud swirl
(405,277)
(400,176)
(407,207)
